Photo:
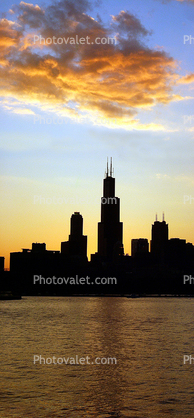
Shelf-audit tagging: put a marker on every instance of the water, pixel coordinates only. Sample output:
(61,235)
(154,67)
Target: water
(148,337)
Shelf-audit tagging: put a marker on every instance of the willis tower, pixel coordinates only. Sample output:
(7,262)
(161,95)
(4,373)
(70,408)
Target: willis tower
(110,229)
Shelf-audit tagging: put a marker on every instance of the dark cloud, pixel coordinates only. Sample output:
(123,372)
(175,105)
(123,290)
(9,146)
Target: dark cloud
(129,24)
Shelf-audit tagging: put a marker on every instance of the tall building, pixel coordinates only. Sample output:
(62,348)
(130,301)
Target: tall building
(77,244)
(159,240)
(110,229)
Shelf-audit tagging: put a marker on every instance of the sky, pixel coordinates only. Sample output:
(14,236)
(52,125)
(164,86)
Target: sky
(67,106)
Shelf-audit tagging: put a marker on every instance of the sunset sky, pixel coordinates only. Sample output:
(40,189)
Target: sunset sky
(66,107)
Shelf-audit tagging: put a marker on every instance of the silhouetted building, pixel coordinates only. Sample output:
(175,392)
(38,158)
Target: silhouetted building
(2,260)
(178,250)
(38,247)
(29,262)
(159,240)
(77,244)
(110,229)
(139,246)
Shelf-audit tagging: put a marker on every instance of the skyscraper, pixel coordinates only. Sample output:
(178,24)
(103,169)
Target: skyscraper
(159,240)
(77,244)
(110,229)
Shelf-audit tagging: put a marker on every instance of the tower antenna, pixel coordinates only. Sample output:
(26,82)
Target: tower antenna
(156,217)
(163,217)
(110,166)
(107,168)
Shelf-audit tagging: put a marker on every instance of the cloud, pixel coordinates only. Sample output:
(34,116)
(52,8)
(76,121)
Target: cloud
(186,79)
(102,81)
(21,111)
(129,24)
(9,35)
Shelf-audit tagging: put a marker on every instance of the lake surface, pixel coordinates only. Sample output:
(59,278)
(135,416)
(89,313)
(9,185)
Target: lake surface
(147,336)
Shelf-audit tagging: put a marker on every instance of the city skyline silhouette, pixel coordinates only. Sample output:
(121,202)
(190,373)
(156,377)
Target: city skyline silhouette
(170,260)
(97,202)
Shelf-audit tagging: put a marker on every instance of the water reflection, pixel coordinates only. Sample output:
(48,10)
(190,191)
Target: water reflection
(148,337)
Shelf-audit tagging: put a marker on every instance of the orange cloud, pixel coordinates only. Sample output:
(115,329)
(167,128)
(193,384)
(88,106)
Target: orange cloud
(186,79)
(108,80)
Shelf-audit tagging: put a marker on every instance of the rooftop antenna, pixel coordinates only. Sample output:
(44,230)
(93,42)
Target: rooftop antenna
(111,167)
(156,217)
(163,217)
(107,168)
